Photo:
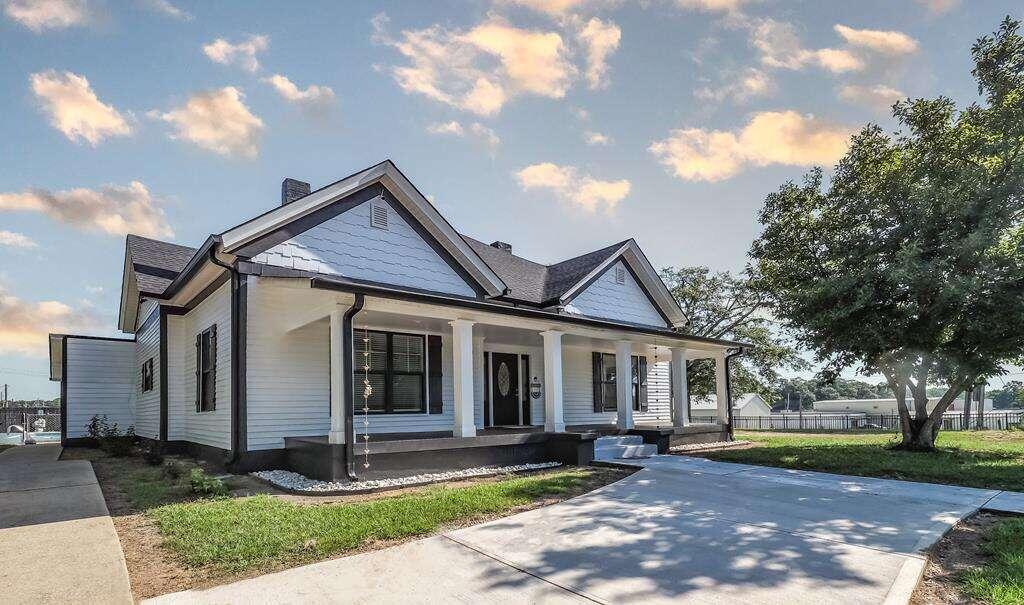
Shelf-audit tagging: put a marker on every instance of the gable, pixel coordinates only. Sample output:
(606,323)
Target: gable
(348,245)
(626,302)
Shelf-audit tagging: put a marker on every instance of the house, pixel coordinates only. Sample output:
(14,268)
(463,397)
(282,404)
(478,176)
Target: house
(254,348)
(888,406)
(747,405)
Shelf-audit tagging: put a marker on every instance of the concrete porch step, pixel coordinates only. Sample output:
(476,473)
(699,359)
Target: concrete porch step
(620,452)
(612,440)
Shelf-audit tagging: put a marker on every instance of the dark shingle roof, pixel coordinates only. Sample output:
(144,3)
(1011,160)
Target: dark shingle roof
(156,263)
(535,283)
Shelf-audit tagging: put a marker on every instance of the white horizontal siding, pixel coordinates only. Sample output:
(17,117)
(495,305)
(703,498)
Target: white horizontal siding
(147,404)
(626,302)
(347,245)
(208,428)
(179,398)
(100,381)
(578,390)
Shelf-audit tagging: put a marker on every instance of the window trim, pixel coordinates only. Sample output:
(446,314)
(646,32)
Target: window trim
(206,375)
(389,373)
(636,382)
(147,376)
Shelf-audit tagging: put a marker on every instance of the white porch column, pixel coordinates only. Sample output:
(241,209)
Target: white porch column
(721,390)
(624,384)
(680,409)
(554,418)
(462,363)
(337,432)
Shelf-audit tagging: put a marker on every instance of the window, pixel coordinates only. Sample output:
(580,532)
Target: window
(397,371)
(605,396)
(147,375)
(206,370)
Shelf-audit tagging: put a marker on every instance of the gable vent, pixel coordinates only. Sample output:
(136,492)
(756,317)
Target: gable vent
(379,215)
(620,275)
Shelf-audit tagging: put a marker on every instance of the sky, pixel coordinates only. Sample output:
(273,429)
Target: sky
(558,126)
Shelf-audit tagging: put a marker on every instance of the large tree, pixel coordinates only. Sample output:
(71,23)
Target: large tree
(720,304)
(910,262)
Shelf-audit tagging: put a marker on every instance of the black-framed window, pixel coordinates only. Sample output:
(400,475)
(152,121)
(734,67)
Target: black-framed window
(397,371)
(147,375)
(605,396)
(206,370)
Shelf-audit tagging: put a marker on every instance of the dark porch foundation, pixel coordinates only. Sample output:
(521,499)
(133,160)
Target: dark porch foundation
(398,455)
(664,436)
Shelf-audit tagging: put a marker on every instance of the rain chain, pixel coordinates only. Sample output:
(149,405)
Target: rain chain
(367,391)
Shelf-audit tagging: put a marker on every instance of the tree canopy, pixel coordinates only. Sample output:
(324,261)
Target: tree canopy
(910,261)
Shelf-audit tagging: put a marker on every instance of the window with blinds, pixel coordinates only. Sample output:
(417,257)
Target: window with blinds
(397,370)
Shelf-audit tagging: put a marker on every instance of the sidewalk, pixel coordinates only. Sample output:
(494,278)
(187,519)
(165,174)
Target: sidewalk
(57,542)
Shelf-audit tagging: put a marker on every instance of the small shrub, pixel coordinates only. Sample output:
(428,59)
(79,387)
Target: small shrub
(173,470)
(205,485)
(109,437)
(154,454)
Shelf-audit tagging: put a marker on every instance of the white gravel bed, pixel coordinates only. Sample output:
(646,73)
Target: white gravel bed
(301,483)
(715,445)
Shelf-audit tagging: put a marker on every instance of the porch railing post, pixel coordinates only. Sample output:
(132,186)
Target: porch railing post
(554,419)
(462,362)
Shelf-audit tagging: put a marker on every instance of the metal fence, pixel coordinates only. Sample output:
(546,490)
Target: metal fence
(34,419)
(951,421)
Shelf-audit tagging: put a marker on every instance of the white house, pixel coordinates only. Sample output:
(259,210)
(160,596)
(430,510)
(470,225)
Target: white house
(254,347)
(748,404)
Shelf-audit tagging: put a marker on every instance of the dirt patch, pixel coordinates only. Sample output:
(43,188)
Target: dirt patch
(155,570)
(952,556)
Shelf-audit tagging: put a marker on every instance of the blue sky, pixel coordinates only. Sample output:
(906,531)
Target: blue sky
(557,126)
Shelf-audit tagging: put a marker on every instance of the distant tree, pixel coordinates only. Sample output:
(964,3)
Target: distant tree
(1010,396)
(720,304)
(910,262)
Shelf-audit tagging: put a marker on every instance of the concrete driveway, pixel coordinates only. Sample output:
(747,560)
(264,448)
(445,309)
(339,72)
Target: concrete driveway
(682,530)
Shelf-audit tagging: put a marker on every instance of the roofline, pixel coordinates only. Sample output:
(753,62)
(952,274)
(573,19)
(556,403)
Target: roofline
(346,285)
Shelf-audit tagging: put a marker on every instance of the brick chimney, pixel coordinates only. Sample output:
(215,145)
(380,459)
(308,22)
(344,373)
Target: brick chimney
(293,189)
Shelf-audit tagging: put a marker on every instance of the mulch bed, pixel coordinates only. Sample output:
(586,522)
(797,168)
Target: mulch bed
(155,570)
(956,553)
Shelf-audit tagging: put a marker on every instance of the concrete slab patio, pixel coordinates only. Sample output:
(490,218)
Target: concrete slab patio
(57,542)
(682,530)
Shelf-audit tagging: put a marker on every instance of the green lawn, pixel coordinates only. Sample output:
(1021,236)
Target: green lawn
(987,459)
(245,533)
(1001,580)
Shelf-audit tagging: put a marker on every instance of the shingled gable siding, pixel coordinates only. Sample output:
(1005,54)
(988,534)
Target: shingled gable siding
(147,404)
(100,380)
(347,245)
(620,302)
(578,390)
(208,428)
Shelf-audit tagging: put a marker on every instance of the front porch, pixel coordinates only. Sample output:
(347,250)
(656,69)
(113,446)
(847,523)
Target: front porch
(455,388)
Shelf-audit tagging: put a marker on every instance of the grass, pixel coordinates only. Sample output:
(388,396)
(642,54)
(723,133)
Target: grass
(985,459)
(240,534)
(1001,580)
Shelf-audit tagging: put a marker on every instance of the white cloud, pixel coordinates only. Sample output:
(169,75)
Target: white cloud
(25,326)
(937,7)
(580,113)
(218,121)
(243,53)
(40,15)
(784,137)
(595,139)
(600,39)
(577,189)
(714,5)
(166,8)
(74,108)
(883,42)
(552,8)
(750,83)
(16,240)
(317,99)
(480,69)
(112,209)
(452,127)
(879,97)
(780,47)
(483,134)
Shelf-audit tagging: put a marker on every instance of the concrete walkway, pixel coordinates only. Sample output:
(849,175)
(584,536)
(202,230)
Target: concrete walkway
(57,542)
(682,530)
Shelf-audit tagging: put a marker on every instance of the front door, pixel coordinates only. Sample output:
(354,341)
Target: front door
(505,388)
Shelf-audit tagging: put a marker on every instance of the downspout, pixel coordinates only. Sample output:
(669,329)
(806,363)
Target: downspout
(728,385)
(348,369)
(236,405)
